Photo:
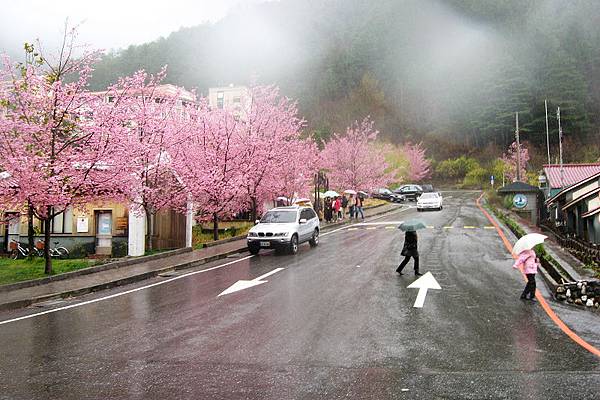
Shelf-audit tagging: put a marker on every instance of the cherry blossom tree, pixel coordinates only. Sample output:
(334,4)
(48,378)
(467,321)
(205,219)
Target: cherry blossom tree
(270,131)
(353,161)
(158,121)
(418,165)
(510,161)
(295,176)
(212,165)
(61,146)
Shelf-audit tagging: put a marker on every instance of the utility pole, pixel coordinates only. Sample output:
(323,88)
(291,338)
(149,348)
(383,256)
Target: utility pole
(560,140)
(518,148)
(547,132)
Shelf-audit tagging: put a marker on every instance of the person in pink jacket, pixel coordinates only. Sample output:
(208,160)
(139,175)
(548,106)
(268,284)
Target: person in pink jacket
(528,261)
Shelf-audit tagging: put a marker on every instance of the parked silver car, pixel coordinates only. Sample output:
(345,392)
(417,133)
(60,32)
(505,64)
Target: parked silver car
(285,228)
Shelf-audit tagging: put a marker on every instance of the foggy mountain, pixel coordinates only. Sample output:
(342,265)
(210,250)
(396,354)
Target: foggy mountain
(449,72)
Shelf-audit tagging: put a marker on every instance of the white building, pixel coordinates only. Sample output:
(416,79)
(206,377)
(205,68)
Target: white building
(235,98)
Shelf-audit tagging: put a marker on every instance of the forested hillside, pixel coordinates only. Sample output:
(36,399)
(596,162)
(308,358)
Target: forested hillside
(451,72)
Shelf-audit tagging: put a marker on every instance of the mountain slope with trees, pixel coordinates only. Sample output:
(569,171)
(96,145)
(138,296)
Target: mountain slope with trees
(449,73)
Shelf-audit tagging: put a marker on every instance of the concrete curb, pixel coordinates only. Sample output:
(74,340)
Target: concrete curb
(119,282)
(91,270)
(222,241)
(150,274)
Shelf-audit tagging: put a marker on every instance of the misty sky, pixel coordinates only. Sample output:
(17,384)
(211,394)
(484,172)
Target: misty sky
(106,24)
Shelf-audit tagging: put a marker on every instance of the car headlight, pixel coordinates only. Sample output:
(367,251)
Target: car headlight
(281,234)
(252,234)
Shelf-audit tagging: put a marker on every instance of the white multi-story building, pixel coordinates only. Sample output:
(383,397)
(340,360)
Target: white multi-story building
(234,98)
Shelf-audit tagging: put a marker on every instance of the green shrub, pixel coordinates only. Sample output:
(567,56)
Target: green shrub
(476,177)
(456,169)
(81,250)
(119,249)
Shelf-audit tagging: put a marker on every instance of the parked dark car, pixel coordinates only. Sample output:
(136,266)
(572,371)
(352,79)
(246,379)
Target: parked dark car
(428,188)
(410,192)
(387,194)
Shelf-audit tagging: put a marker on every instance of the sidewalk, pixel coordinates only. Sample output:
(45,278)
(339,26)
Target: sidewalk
(126,273)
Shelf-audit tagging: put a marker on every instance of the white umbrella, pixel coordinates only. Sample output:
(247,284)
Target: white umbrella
(331,193)
(282,198)
(528,242)
(349,191)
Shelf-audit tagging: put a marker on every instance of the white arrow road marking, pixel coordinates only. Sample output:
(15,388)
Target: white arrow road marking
(243,284)
(424,283)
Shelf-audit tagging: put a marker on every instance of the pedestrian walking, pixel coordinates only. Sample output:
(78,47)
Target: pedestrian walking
(528,261)
(410,250)
(328,209)
(359,208)
(351,206)
(337,208)
(344,206)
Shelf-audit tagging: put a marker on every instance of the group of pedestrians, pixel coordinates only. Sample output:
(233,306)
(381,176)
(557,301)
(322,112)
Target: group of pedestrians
(338,208)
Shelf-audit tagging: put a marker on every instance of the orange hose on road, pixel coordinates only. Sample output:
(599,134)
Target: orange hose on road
(538,296)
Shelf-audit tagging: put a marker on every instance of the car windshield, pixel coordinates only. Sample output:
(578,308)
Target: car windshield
(274,217)
(385,191)
(429,196)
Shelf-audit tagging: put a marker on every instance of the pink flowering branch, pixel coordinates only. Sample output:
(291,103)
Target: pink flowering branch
(353,161)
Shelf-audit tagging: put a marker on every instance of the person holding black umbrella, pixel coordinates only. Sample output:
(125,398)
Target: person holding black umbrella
(410,245)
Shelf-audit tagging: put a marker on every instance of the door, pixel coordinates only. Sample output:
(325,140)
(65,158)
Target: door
(305,228)
(104,232)
(14,227)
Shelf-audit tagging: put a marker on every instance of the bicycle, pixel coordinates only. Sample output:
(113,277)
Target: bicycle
(18,251)
(57,251)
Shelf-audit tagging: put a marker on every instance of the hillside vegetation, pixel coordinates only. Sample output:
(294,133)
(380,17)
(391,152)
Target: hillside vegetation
(450,73)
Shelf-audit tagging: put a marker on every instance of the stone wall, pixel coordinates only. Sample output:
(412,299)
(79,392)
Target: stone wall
(581,293)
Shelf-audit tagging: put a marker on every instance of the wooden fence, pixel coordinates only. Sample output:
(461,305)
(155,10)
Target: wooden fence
(585,251)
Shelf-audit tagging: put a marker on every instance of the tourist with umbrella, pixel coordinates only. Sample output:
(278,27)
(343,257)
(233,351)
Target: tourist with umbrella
(528,262)
(358,207)
(410,244)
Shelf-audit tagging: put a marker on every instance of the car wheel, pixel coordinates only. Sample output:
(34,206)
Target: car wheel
(253,249)
(441,207)
(314,241)
(294,244)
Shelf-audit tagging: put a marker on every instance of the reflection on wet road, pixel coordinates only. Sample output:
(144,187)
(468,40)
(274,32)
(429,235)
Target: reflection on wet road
(319,328)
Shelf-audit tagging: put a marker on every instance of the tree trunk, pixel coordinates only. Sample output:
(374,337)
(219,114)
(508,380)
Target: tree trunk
(254,210)
(30,231)
(150,226)
(48,266)
(215,227)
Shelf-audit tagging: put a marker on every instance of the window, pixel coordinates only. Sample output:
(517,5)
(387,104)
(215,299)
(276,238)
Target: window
(307,214)
(63,222)
(274,217)
(220,99)
(237,99)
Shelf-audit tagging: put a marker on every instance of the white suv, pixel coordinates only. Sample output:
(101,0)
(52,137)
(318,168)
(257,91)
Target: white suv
(285,228)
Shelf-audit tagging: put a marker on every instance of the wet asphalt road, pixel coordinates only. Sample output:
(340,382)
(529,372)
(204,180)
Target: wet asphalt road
(337,322)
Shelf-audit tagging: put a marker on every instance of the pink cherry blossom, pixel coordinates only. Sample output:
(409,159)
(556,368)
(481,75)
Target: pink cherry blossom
(353,161)
(418,165)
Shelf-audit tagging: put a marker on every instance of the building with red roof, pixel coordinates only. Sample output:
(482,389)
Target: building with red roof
(571,174)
